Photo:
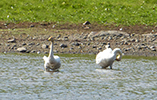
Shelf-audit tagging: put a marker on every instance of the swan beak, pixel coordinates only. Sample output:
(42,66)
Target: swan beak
(49,39)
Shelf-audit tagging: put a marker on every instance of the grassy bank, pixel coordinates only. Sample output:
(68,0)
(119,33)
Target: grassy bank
(123,12)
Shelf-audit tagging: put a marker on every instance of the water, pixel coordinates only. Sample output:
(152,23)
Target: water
(79,78)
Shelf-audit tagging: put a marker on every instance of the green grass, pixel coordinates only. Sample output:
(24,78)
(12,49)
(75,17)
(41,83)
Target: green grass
(119,12)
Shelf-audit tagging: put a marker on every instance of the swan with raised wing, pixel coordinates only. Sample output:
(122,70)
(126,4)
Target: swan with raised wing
(108,56)
(52,63)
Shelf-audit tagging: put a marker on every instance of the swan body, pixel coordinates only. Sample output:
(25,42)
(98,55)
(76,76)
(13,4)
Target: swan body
(108,56)
(52,63)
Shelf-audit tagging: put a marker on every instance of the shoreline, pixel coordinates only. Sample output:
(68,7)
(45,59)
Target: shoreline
(77,42)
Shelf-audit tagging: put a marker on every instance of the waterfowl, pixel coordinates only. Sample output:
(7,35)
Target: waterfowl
(52,63)
(108,56)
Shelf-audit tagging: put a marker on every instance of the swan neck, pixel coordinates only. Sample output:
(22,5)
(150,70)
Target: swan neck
(51,50)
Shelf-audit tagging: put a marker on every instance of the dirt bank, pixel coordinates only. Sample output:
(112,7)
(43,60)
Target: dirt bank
(72,38)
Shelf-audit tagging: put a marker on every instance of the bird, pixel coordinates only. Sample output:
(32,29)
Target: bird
(52,62)
(106,57)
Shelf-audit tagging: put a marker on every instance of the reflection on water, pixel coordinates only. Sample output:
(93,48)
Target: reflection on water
(79,78)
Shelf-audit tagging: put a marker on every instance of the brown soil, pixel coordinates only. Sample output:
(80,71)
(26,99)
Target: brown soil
(137,29)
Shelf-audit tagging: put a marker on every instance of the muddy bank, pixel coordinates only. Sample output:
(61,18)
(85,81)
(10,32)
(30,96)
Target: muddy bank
(34,40)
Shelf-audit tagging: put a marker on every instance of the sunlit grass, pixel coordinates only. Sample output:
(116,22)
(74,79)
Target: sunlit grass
(119,12)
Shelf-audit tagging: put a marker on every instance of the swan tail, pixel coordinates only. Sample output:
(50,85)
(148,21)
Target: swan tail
(45,58)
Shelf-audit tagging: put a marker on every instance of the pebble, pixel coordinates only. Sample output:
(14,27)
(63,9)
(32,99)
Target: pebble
(38,52)
(87,43)
(94,46)
(23,44)
(77,44)
(63,45)
(44,46)
(22,49)
(13,46)
(65,38)
(33,51)
(32,43)
(12,40)
(152,48)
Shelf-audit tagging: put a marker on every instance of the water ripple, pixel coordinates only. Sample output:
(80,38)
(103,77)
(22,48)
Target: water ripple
(79,78)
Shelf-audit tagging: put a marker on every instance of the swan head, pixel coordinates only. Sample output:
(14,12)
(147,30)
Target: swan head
(51,39)
(118,58)
(118,54)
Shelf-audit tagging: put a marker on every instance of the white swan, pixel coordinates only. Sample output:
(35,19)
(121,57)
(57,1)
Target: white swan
(52,63)
(107,57)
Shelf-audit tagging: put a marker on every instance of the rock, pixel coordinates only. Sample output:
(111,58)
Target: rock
(88,43)
(127,49)
(71,48)
(55,51)
(63,45)
(147,35)
(59,36)
(132,40)
(85,37)
(46,52)
(34,38)
(110,38)
(44,46)
(28,51)
(77,44)
(23,44)
(12,40)
(152,48)
(133,34)
(38,52)
(13,46)
(79,47)
(99,48)
(37,44)
(65,38)
(7,45)
(86,23)
(32,43)
(108,33)
(22,49)
(94,46)
(137,40)
(32,25)
(33,51)
(91,34)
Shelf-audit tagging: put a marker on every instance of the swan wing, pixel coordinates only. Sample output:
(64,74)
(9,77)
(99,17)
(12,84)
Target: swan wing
(103,55)
(55,65)
(105,58)
(57,59)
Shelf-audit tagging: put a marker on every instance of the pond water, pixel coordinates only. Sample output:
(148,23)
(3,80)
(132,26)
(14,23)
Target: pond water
(21,77)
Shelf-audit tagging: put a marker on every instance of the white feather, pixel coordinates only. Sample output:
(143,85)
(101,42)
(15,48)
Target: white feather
(107,57)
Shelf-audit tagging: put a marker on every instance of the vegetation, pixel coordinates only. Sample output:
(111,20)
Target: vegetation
(119,12)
